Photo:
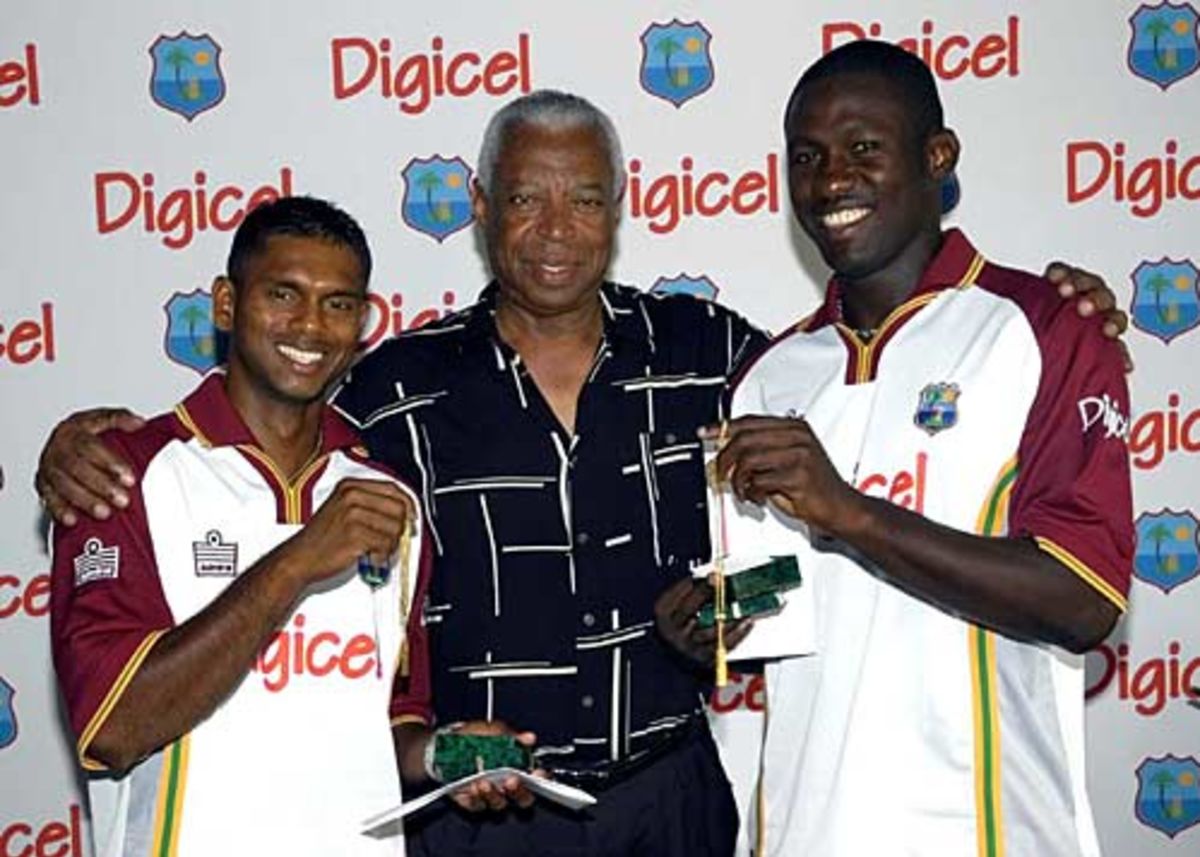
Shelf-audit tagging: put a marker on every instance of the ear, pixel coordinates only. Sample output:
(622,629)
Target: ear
(224,298)
(941,153)
(479,202)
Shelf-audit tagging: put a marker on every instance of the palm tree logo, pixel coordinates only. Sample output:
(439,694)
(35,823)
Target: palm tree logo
(191,339)
(1168,798)
(1167,551)
(1164,47)
(676,64)
(186,77)
(436,201)
(1166,303)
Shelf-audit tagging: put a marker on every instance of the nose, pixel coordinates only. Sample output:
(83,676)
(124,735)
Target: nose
(834,177)
(554,219)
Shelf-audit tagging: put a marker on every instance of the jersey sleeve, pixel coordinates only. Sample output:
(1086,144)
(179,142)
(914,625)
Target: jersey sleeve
(412,695)
(107,610)
(1072,493)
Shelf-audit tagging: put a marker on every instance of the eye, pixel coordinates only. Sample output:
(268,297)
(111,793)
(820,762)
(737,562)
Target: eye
(864,147)
(804,158)
(521,200)
(344,303)
(280,293)
(590,203)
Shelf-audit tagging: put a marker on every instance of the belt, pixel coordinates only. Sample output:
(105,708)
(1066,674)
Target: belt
(608,774)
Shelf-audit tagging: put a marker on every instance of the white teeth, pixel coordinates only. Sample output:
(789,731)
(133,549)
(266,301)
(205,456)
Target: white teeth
(296,355)
(844,217)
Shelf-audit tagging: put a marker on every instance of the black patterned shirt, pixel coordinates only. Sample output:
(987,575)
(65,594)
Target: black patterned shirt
(550,549)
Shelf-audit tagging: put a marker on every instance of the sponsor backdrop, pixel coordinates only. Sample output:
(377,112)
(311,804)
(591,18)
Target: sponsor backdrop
(134,141)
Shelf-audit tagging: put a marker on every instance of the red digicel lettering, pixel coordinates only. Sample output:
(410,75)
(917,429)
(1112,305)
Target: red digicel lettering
(742,691)
(294,652)
(184,211)
(950,56)
(1150,684)
(905,489)
(386,317)
(52,839)
(29,339)
(31,598)
(1155,433)
(1144,187)
(665,200)
(19,81)
(416,79)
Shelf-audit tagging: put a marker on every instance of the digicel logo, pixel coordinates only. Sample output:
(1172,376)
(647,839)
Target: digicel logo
(1093,166)
(29,339)
(1151,683)
(1156,433)
(387,316)
(743,691)
(414,80)
(51,838)
(905,488)
(19,80)
(293,651)
(182,211)
(664,200)
(24,597)
(951,55)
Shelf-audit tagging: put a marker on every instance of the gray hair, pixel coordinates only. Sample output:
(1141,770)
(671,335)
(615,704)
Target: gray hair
(552,110)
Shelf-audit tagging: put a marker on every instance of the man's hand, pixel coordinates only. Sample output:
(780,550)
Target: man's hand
(362,517)
(675,618)
(1093,296)
(77,473)
(486,795)
(779,460)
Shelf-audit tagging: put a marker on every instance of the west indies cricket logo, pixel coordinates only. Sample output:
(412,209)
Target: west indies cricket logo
(1168,795)
(1166,555)
(191,340)
(1163,47)
(1166,302)
(676,63)
(437,199)
(8,714)
(686,284)
(186,77)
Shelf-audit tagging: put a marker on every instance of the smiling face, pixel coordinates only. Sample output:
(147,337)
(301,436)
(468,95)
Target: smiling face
(550,218)
(864,186)
(294,318)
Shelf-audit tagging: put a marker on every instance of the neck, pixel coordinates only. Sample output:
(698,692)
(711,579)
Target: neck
(869,299)
(288,432)
(581,326)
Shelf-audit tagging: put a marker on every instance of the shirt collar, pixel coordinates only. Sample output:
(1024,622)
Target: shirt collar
(955,264)
(211,416)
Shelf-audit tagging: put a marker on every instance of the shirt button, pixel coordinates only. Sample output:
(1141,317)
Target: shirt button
(588,701)
(670,438)
(589,620)
(582,539)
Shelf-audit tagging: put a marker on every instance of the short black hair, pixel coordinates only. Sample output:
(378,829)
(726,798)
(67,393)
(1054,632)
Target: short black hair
(905,71)
(301,217)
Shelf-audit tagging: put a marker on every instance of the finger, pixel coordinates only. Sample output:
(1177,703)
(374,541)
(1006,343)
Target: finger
(673,596)
(492,796)
(1059,273)
(99,420)
(468,800)
(529,739)
(84,488)
(74,442)
(56,508)
(1116,322)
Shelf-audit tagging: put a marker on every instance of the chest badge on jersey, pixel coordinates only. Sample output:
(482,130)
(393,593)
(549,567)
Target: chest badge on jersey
(214,557)
(937,407)
(97,562)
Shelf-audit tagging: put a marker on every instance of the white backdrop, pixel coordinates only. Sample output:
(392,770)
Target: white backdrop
(122,176)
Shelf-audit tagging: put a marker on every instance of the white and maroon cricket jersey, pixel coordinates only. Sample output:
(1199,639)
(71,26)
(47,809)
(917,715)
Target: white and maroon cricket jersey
(986,404)
(301,752)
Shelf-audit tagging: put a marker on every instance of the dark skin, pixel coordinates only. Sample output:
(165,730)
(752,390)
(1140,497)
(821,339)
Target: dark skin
(305,296)
(864,186)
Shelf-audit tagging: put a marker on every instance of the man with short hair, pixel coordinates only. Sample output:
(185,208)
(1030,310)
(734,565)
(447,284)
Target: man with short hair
(943,445)
(226,672)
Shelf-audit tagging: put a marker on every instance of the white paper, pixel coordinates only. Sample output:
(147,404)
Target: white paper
(384,823)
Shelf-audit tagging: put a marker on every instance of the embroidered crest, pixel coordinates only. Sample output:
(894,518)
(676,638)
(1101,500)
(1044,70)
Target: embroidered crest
(685,284)
(1168,795)
(1166,302)
(186,77)
(437,198)
(937,407)
(1163,47)
(676,63)
(1166,553)
(214,557)
(97,562)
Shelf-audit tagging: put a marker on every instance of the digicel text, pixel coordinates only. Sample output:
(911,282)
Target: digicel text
(743,691)
(24,597)
(1155,433)
(387,317)
(19,81)
(1092,166)
(416,79)
(949,56)
(29,339)
(182,211)
(664,200)
(1151,683)
(44,839)
(906,488)
(293,652)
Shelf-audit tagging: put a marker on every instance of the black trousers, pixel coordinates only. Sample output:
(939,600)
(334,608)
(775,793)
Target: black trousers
(680,805)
